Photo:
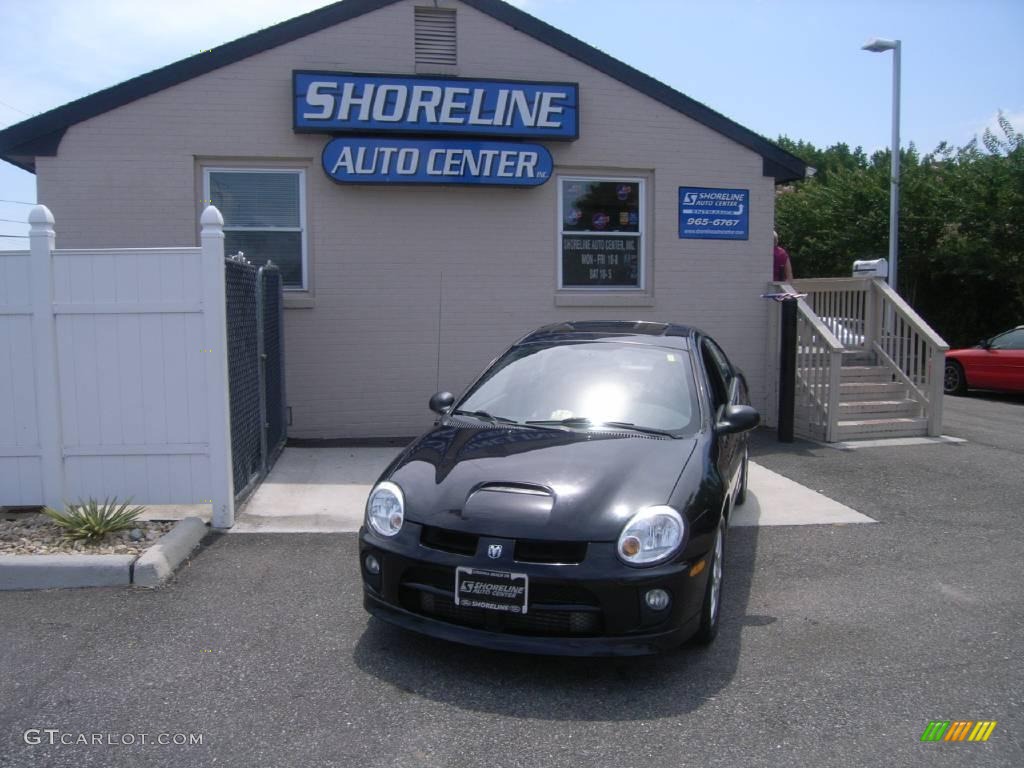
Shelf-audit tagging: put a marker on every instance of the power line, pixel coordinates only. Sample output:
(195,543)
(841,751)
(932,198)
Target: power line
(16,202)
(14,221)
(9,106)
(18,237)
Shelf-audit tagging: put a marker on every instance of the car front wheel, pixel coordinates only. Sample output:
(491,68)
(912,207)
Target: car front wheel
(953,381)
(711,609)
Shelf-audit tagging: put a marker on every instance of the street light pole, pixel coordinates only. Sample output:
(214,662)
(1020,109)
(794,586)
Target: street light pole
(877,45)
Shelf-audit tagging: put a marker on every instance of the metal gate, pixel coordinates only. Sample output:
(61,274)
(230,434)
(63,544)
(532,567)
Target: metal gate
(254,299)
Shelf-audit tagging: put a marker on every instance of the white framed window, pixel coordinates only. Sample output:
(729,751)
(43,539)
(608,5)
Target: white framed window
(601,233)
(264,212)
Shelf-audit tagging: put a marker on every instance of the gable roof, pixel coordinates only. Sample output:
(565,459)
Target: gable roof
(41,135)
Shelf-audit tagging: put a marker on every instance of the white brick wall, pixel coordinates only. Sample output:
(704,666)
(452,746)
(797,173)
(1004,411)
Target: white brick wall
(365,359)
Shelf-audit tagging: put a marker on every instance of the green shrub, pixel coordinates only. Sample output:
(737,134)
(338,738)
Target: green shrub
(91,520)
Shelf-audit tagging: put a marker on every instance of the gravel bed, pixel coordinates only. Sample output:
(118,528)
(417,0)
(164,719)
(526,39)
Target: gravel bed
(33,533)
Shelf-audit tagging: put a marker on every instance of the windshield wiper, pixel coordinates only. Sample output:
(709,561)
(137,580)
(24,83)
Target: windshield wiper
(583,421)
(575,421)
(486,416)
(635,428)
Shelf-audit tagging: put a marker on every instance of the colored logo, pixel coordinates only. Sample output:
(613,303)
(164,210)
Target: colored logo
(622,191)
(623,218)
(958,730)
(572,218)
(600,220)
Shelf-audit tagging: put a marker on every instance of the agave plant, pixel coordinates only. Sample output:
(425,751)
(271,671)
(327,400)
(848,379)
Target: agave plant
(91,520)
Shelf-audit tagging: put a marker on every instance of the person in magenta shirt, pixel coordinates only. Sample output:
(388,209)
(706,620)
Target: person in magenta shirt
(782,270)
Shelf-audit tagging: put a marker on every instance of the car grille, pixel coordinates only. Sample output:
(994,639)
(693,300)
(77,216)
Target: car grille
(566,552)
(526,550)
(554,609)
(448,541)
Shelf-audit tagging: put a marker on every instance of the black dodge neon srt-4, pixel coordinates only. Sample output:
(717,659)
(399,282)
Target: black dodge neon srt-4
(575,500)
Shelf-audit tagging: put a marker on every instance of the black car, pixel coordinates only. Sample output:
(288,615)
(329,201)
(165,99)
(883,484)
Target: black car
(575,500)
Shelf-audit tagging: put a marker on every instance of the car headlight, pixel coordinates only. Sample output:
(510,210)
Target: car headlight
(652,535)
(385,509)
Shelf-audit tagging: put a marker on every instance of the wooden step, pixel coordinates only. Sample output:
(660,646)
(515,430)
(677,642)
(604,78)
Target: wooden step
(870,390)
(853,429)
(876,373)
(852,357)
(877,409)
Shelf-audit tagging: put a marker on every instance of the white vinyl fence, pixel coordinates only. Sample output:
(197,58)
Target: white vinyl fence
(113,373)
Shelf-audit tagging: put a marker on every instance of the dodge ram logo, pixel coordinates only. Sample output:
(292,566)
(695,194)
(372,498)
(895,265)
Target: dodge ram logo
(494,551)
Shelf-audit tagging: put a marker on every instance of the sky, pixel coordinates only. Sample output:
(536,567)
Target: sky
(779,67)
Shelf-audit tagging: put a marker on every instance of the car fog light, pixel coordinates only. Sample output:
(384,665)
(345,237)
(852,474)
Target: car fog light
(372,564)
(657,599)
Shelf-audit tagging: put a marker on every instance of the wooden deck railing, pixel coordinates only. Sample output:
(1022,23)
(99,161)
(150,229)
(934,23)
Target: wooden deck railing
(819,357)
(865,315)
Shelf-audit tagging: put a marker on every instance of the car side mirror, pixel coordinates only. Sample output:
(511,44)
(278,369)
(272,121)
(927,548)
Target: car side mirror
(737,418)
(985,344)
(441,402)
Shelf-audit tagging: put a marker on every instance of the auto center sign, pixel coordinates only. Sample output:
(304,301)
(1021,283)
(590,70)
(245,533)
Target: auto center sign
(443,109)
(432,161)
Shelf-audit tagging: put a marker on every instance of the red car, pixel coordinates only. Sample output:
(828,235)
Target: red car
(996,363)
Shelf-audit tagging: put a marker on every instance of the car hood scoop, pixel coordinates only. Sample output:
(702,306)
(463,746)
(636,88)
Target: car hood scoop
(535,484)
(513,502)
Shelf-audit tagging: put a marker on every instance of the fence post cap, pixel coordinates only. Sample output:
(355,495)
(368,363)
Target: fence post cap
(40,215)
(211,217)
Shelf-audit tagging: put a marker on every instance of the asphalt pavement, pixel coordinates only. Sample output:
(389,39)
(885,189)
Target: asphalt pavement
(839,644)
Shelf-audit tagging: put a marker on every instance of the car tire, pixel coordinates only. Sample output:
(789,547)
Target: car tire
(741,494)
(711,607)
(954,382)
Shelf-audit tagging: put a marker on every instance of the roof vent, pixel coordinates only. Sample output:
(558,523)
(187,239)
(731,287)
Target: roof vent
(435,36)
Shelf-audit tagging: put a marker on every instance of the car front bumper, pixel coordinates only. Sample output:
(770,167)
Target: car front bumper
(591,608)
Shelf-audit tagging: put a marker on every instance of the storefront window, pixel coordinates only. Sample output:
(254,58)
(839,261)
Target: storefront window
(264,217)
(601,239)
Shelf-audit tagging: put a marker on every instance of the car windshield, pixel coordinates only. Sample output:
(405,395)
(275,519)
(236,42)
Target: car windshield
(588,384)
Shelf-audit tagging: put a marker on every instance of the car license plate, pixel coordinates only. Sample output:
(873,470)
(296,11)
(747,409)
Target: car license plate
(493,590)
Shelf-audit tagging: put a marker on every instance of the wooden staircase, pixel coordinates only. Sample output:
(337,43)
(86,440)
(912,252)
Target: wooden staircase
(872,404)
(867,366)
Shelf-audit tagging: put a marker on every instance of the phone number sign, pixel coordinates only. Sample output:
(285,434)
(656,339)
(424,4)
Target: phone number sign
(708,213)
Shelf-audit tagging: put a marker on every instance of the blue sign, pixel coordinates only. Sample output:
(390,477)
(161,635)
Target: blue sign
(334,102)
(707,213)
(436,161)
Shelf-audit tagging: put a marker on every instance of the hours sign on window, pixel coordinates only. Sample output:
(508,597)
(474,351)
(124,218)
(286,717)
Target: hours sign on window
(601,233)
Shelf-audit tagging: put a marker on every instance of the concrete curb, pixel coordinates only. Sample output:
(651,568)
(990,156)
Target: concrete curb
(60,571)
(158,562)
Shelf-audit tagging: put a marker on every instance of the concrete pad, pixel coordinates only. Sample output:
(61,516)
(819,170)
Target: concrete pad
(324,490)
(313,490)
(894,442)
(158,562)
(776,500)
(165,512)
(62,571)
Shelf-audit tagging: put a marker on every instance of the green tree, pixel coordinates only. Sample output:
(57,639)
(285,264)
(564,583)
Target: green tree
(961,226)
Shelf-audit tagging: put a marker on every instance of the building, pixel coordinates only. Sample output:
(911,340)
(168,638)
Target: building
(435,180)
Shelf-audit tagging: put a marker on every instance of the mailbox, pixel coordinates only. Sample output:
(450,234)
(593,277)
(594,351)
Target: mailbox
(871,268)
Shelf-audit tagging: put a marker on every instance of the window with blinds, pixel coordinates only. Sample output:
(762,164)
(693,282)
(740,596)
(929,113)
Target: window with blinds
(263,217)
(435,36)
